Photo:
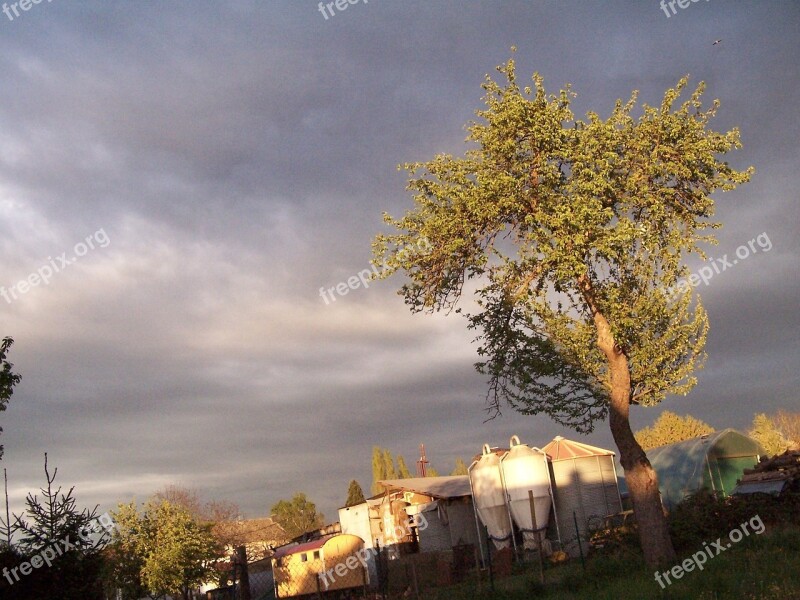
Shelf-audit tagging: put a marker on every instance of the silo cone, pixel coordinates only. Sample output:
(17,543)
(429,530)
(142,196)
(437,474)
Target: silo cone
(489,497)
(525,469)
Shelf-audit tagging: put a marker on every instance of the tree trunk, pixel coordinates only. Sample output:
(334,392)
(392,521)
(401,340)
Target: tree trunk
(641,478)
(639,474)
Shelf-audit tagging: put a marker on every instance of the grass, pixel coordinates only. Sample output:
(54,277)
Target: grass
(763,567)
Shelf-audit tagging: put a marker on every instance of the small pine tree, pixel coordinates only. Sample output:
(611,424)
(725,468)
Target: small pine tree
(391,472)
(355,495)
(55,522)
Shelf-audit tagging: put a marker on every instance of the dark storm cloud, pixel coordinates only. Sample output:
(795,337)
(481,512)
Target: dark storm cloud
(239,157)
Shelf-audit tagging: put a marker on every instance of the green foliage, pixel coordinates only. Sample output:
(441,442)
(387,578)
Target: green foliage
(789,426)
(670,428)
(8,379)
(383,467)
(298,515)
(767,434)
(355,495)
(378,469)
(391,471)
(402,469)
(461,468)
(568,223)
(164,550)
(54,521)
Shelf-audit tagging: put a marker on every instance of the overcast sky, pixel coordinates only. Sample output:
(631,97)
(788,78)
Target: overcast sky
(228,159)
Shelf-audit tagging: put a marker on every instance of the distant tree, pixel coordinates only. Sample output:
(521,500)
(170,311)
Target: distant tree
(8,379)
(402,469)
(355,495)
(172,551)
(570,235)
(378,469)
(789,426)
(298,515)
(431,472)
(670,428)
(461,468)
(222,515)
(391,471)
(765,433)
(51,524)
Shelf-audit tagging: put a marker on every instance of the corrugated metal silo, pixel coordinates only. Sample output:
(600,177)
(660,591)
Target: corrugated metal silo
(585,485)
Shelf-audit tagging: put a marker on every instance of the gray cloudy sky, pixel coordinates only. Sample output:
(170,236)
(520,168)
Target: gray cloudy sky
(236,156)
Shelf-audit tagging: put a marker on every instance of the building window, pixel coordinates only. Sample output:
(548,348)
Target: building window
(304,557)
(316,555)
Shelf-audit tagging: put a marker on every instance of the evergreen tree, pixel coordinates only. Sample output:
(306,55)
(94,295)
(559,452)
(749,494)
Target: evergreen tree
(54,525)
(355,495)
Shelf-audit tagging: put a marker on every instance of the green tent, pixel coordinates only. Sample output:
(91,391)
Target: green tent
(712,462)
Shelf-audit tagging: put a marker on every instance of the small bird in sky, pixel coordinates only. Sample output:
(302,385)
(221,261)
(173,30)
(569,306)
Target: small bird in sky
(717,42)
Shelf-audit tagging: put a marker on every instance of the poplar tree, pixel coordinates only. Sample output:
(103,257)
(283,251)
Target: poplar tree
(571,232)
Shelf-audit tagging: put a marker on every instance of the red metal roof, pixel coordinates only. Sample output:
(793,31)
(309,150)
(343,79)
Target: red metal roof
(564,449)
(287,550)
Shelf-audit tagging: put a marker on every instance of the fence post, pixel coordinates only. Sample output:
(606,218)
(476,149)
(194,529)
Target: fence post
(233,577)
(489,558)
(244,576)
(536,535)
(578,533)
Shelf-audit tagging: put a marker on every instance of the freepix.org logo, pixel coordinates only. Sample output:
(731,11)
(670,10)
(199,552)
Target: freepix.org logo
(101,525)
(42,275)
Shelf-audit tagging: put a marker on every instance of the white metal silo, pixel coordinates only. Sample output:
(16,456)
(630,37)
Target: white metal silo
(526,469)
(489,497)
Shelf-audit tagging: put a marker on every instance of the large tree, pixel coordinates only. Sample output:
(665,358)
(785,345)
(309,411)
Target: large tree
(298,515)
(574,234)
(767,434)
(164,550)
(8,379)
(789,426)
(670,428)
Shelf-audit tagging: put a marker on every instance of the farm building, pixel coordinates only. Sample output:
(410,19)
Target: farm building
(711,462)
(364,521)
(585,488)
(334,562)
(444,502)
